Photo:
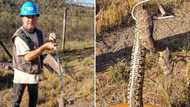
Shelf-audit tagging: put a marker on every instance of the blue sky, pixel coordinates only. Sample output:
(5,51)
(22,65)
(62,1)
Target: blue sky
(90,2)
(87,1)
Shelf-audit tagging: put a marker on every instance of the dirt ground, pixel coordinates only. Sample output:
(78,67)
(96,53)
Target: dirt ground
(113,50)
(78,82)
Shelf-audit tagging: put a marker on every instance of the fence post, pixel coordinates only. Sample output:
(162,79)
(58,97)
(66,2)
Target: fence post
(64,28)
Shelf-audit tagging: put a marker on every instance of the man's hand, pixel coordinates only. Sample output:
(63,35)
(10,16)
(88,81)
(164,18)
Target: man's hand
(52,37)
(35,53)
(49,46)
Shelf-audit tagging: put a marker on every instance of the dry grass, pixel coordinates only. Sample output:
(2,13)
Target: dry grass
(112,15)
(78,44)
(117,12)
(126,105)
(167,90)
(78,79)
(159,89)
(119,72)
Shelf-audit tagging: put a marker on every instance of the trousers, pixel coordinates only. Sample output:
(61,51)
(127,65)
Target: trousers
(18,90)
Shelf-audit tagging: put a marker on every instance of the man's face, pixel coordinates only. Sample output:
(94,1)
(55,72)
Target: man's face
(29,22)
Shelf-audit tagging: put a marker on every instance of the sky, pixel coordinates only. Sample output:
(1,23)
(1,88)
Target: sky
(91,2)
(86,1)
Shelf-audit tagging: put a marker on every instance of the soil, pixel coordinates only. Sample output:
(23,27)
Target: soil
(78,82)
(115,46)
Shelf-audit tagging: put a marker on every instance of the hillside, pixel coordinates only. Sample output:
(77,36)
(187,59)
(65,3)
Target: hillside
(113,50)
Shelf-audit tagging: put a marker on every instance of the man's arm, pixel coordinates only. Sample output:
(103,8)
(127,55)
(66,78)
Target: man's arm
(31,55)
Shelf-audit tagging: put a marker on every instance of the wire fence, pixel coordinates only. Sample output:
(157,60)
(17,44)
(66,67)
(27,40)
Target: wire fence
(79,23)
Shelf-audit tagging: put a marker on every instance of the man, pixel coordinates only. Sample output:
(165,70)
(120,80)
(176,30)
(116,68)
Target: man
(27,54)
